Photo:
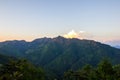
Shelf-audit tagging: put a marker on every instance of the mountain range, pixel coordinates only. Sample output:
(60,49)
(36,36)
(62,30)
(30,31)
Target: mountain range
(60,54)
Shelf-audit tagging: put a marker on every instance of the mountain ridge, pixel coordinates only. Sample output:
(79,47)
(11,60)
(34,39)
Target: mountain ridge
(60,54)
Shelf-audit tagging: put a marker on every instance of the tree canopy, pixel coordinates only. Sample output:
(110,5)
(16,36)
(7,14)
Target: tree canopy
(20,70)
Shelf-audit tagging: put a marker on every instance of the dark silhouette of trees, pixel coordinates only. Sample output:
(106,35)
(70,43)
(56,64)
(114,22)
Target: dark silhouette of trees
(20,70)
(23,70)
(104,71)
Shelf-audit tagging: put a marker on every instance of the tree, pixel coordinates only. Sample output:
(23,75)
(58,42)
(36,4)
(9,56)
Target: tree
(20,70)
(105,70)
(89,72)
(117,71)
(86,73)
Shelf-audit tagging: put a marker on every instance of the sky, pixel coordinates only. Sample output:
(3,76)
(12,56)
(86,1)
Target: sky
(85,19)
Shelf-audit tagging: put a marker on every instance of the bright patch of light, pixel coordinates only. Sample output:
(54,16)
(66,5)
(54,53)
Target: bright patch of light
(71,34)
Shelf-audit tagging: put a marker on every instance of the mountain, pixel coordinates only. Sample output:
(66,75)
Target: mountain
(13,48)
(5,59)
(60,54)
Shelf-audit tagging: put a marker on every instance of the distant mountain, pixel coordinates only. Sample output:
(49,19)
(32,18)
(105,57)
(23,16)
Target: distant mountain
(13,48)
(60,54)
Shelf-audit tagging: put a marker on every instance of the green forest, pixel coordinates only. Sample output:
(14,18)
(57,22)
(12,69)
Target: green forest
(58,59)
(24,70)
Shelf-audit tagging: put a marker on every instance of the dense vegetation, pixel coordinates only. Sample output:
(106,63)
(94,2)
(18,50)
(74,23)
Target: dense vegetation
(23,70)
(104,71)
(20,70)
(58,55)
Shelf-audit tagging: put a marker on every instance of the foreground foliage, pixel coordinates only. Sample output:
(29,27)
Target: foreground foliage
(104,71)
(20,70)
(23,70)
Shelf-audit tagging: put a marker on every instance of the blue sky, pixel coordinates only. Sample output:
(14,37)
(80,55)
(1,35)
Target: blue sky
(30,19)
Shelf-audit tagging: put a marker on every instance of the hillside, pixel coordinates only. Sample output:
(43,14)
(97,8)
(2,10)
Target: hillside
(60,54)
(5,59)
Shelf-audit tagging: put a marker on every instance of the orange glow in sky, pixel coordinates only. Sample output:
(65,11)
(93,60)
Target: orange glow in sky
(98,19)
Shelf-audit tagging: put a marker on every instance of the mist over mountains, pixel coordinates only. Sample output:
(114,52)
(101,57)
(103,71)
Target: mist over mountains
(114,43)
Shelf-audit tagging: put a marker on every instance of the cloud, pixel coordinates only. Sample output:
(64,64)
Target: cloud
(113,42)
(71,34)
(82,31)
(80,35)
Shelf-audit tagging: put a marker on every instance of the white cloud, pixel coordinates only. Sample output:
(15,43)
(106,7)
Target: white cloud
(71,34)
(80,35)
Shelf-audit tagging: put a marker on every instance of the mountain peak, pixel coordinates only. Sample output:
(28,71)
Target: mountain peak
(59,37)
(39,40)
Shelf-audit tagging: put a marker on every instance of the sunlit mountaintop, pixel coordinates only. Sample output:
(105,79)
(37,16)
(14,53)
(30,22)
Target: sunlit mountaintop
(70,35)
(89,31)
